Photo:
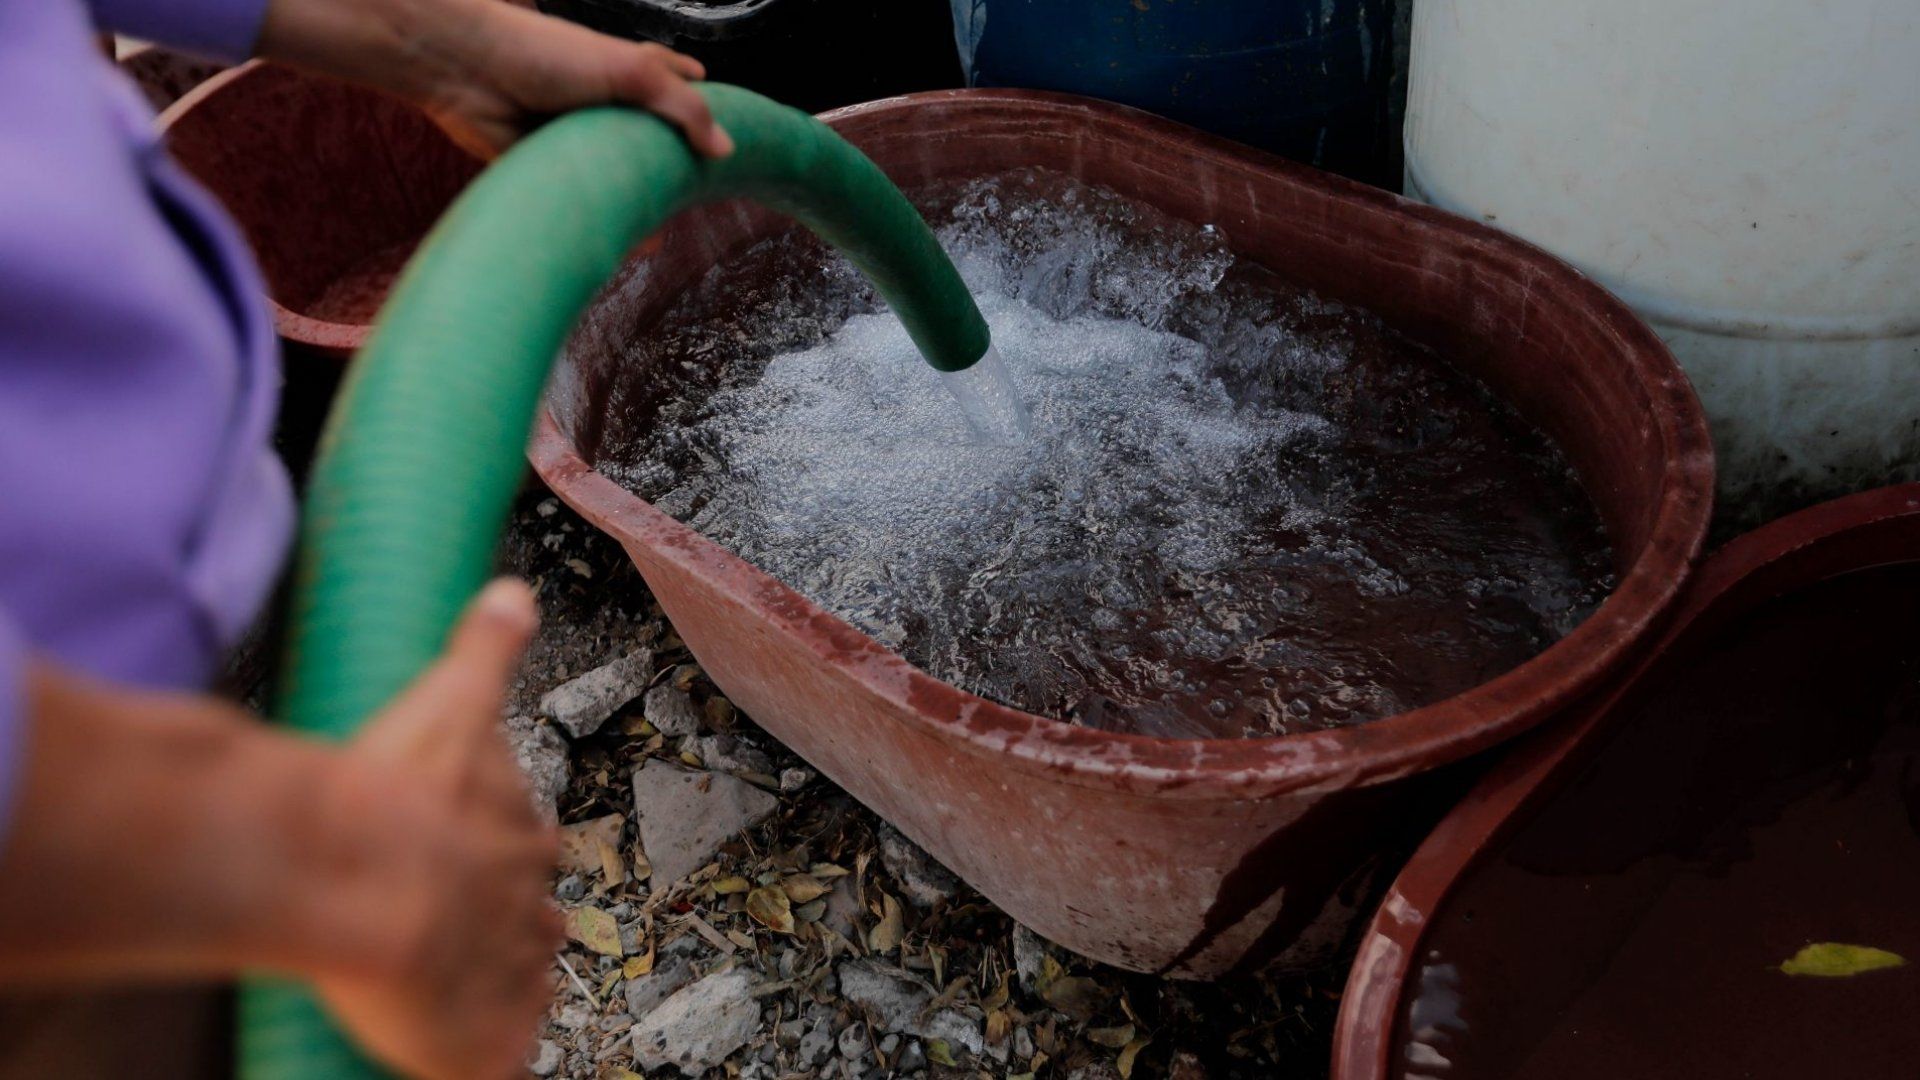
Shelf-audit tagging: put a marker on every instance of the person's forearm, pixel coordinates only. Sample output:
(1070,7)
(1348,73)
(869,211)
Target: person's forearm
(406,47)
(155,836)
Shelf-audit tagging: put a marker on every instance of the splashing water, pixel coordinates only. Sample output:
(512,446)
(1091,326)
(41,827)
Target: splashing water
(1238,509)
(989,399)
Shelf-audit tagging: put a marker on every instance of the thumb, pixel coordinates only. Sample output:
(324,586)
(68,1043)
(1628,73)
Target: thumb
(486,645)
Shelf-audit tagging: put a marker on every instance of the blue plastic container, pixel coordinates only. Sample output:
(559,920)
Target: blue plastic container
(1308,79)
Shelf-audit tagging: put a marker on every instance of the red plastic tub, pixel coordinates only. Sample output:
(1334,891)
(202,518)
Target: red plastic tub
(1193,858)
(1621,896)
(333,184)
(163,75)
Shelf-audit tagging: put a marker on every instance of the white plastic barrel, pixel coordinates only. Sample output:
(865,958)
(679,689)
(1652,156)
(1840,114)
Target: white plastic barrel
(1746,175)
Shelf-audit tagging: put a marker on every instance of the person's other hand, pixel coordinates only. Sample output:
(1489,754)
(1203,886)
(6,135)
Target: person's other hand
(489,71)
(435,839)
(520,67)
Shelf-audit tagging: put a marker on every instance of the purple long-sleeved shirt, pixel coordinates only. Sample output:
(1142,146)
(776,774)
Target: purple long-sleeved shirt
(143,514)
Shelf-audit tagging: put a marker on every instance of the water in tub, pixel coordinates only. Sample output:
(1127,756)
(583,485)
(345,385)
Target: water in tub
(1238,509)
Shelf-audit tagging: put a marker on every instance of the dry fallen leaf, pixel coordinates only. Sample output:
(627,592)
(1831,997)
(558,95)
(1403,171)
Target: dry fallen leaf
(733,883)
(1125,1061)
(1830,960)
(810,912)
(1050,970)
(595,929)
(1113,1038)
(642,869)
(614,870)
(768,906)
(580,843)
(826,871)
(642,964)
(1075,995)
(940,1053)
(999,1026)
(801,888)
(886,934)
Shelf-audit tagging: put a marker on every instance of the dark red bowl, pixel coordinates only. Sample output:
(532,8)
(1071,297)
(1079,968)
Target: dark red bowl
(333,184)
(1578,824)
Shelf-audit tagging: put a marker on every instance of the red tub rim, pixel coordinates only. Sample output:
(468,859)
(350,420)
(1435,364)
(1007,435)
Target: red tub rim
(1375,752)
(1792,552)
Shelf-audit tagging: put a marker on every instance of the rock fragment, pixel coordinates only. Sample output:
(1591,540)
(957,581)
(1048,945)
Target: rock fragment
(685,815)
(816,1046)
(673,969)
(897,1002)
(671,710)
(923,881)
(1029,958)
(582,704)
(698,1027)
(546,1058)
(542,756)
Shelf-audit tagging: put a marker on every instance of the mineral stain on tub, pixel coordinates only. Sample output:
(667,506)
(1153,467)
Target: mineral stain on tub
(1717,893)
(1241,510)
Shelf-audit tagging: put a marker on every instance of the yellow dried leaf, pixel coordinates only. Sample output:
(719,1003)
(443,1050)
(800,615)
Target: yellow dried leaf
(611,866)
(1113,1038)
(999,1026)
(940,1053)
(637,966)
(1125,1061)
(1831,960)
(998,999)
(642,869)
(595,929)
(1075,995)
(826,871)
(800,888)
(769,907)
(731,884)
(887,933)
(1050,970)
(741,938)
(608,983)
(688,757)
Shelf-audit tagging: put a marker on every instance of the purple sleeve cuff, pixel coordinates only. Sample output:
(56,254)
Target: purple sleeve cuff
(13,716)
(217,29)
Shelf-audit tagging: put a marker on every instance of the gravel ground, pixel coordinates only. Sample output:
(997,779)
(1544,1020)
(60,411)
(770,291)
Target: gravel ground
(731,913)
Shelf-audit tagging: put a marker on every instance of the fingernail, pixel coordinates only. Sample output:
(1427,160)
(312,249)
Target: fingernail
(722,141)
(509,600)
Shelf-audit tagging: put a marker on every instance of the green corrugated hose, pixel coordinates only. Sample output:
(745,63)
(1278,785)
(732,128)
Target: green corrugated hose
(423,452)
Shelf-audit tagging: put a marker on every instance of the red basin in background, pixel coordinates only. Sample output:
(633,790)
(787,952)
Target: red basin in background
(333,185)
(163,75)
(1510,964)
(1192,858)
